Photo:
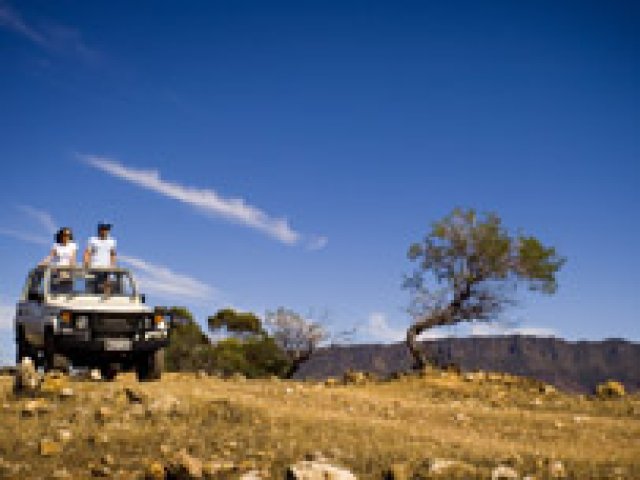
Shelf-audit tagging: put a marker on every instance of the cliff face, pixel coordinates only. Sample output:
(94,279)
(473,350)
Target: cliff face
(573,366)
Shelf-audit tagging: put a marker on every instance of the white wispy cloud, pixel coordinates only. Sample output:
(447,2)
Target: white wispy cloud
(161,280)
(43,218)
(317,242)
(25,236)
(51,37)
(378,327)
(495,329)
(205,200)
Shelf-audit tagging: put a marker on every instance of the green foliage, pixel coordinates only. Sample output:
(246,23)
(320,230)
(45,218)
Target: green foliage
(469,256)
(190,349)
(237,322)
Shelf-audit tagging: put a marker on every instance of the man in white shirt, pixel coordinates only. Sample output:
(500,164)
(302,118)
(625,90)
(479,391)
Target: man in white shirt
(101,250)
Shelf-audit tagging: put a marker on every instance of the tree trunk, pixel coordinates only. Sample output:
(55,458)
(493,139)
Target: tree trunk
(420,359)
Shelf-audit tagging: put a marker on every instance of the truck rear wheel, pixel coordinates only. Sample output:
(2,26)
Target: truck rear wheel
(109,372)
(150,366)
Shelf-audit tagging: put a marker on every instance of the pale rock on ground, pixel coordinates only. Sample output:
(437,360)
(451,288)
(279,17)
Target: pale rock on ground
(317,470)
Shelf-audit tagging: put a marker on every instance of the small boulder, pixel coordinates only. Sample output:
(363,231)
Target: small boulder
(610,389)
(61,474)
(354,378)
(103,414)
(67,392)
(134,395)
(154,471)
(504,472)
(331,382)
(557,469)
(49,447)
(185,467)
(312,470)
(397,471)
(446,468)
(95,375)
(26,380)
(63,435)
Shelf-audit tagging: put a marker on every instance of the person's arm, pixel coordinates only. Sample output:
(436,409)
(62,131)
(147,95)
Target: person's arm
(46,260)
(74,259)
(86,256)
(113,257)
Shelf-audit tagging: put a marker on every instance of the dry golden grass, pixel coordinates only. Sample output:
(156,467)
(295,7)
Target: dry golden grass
(270,424)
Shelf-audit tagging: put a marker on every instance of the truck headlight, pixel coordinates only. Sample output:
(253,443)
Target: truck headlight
(82,322)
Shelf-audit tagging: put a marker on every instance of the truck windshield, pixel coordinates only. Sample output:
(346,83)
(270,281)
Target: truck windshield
(90,282)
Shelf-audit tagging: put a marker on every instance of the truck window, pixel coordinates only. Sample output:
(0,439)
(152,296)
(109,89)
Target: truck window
(35,286)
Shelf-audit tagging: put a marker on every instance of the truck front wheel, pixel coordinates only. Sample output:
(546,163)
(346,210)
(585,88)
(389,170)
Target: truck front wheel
(52,359)
(150,366)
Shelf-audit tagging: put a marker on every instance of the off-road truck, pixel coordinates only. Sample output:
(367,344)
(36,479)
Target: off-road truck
(92,318)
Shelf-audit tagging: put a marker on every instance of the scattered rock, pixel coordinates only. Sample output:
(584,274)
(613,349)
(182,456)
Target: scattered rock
(547,389)
(66,392)
(185,467)
(557,470)
(101,471)
(49,447)
(134,395)
(331,382)
(354,378)
(504,472)
(27,380)
(312,470)
(164,405)
(154,471)
(201,374)
(397,471)
(63,435)
(238,377)
(610,389)
(103,414)
(53,383)
(32,408)
(251,475)
(445,468)
(95,375)
(461,418)
(213,468)
(61,474)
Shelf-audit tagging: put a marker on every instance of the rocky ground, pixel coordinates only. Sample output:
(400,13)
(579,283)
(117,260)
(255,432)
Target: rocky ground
(436,425)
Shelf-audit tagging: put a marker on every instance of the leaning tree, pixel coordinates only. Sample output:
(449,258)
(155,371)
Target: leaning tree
(297,336)
(467,268)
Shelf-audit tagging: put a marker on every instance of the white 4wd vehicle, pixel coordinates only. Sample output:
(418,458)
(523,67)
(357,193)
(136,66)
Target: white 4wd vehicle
(92,318)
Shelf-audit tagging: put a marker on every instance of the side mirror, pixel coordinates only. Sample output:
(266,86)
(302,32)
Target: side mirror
(143,298)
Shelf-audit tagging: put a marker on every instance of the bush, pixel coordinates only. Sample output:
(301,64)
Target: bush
(190,350)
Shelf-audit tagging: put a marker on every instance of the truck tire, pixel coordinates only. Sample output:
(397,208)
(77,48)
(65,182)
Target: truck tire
(109,372)
(150,366)
(53,361)
(23,349)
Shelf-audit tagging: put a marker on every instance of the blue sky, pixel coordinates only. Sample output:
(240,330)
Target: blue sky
(258,154)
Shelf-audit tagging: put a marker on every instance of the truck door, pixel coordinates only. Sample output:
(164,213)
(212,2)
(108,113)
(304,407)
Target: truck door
(31,308)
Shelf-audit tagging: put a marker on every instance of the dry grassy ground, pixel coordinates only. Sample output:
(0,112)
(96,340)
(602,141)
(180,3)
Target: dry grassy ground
(235,425)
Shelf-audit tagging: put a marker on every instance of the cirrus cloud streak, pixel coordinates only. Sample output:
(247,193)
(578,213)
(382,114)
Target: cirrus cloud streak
(205,200)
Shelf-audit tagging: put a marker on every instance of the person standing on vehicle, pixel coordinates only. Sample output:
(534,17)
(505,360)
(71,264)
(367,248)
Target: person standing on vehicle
(101,250)
(64,250)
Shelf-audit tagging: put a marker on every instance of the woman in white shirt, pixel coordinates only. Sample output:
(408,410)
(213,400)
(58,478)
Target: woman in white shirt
(64,250)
